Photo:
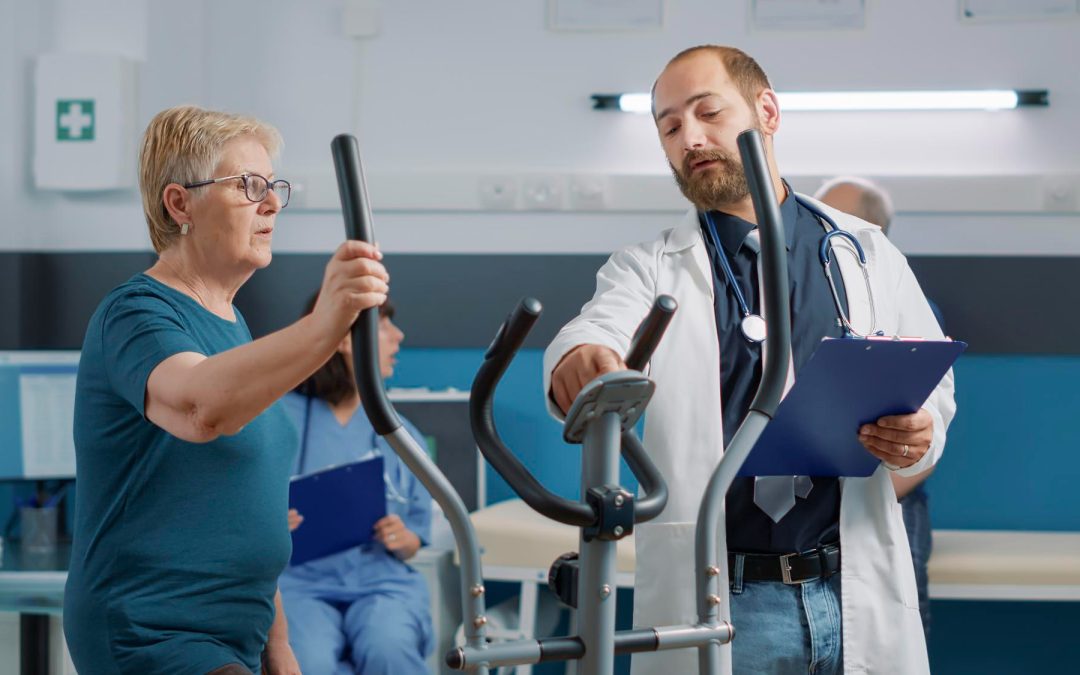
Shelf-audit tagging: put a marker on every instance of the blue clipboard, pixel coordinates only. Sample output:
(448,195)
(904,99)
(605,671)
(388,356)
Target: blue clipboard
(340,506)
(847,383)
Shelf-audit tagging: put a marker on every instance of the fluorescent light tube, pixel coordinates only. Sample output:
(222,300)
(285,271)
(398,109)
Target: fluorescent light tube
(990,99)
(636,103)
(899,100)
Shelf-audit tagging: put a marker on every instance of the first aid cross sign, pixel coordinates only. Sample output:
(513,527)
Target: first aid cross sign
(75,120)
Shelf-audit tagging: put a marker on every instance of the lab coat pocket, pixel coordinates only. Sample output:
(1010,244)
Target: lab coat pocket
(902,563)
(663,580)
(664,592)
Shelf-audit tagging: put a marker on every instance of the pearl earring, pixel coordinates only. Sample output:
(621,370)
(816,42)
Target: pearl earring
(184,228)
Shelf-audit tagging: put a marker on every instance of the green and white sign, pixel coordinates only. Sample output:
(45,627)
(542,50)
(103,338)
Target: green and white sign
(75,120)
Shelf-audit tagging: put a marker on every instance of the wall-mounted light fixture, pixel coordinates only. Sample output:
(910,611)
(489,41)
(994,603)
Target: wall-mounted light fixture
(989,99)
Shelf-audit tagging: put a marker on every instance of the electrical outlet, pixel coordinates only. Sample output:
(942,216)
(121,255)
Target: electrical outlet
(542,193)
(1059,193)
(498,193)
(588,193)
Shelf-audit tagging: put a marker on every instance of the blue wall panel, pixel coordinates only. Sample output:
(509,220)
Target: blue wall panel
(1012,460)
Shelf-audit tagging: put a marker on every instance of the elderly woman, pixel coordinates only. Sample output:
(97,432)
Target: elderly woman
(183,450)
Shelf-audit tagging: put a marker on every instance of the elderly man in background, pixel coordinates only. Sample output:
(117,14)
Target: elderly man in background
(183,452)
(865,199)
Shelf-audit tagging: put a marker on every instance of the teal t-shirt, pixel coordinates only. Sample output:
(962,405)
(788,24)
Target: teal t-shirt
(177,546)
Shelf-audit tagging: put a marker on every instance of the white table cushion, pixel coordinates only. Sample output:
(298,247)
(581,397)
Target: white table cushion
(1006,558)
(513,535)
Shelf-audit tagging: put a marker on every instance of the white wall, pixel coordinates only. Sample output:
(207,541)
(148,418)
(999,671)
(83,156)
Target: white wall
(482,87)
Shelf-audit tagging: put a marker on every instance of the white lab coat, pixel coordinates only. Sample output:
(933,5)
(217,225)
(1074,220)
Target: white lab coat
(882,630)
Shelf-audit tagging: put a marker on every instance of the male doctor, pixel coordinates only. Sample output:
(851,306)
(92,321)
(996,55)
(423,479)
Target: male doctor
(849,603)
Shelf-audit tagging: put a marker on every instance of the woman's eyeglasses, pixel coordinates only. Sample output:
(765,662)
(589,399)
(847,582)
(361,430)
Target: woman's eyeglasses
(256,187)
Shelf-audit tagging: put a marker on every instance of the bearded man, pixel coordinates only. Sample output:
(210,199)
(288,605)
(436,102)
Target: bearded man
(819,569)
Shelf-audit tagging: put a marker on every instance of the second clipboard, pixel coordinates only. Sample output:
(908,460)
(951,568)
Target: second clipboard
(340,506)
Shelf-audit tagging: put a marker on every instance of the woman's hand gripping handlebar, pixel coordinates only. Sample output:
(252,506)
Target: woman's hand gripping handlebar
(365,332)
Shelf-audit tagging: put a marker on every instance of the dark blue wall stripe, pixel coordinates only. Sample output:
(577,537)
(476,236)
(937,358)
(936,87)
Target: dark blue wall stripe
(997,304)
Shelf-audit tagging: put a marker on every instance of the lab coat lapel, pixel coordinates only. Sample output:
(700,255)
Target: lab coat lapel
(687,235)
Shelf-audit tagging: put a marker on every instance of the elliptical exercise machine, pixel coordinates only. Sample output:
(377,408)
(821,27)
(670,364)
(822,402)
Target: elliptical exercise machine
(601,418)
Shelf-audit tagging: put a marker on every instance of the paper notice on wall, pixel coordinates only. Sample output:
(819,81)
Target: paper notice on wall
(605,15)
(47,417)
(807,14)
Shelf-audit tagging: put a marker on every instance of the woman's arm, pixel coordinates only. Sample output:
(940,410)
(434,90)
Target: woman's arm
(278,657)
(199,398)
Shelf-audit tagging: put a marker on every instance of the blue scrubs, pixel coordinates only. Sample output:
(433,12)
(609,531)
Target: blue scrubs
(362,610)
(177,546)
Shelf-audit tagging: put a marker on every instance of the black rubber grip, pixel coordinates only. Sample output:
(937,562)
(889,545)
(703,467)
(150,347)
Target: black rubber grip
(506,343)
(561,649)
(653,487)
(636,640)
(773,261)
(513,331)
(648,334)
(365,332)
(455,659)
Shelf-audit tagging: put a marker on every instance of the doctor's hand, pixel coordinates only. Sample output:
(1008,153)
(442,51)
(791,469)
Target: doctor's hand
(578,367)
(899,440)
(294,519)
(391,532)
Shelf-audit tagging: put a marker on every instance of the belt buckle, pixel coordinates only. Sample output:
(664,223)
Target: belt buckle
(785,569)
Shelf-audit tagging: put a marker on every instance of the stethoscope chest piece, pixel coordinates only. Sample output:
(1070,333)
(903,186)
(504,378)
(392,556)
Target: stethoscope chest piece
(753,328)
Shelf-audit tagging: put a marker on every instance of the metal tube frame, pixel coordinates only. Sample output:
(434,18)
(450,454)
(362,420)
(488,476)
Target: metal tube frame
(598,642)
(596,580)
(711,516)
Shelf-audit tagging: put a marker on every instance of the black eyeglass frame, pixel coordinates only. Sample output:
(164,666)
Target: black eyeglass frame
(247,193)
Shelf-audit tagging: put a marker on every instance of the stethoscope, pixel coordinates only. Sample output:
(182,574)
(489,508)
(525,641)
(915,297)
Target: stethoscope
(752,325)
(393,493)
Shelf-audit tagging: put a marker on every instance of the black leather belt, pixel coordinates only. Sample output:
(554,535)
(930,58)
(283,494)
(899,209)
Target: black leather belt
(793,568)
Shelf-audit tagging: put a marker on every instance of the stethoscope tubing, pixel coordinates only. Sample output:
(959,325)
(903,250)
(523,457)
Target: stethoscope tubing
(825,256)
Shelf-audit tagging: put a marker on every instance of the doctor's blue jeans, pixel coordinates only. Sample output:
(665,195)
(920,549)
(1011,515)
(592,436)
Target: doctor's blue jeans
(783,629)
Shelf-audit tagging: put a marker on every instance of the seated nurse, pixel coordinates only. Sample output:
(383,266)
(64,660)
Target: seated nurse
(364,610)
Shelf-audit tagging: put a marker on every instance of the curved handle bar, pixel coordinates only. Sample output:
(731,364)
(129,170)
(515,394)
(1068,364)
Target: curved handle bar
(365,332)
(773,260)
(648,334)
(507,341)
(648,476)
(502,350)
(646,338)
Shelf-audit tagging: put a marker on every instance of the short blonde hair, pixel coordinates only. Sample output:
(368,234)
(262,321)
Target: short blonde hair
(184,145)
